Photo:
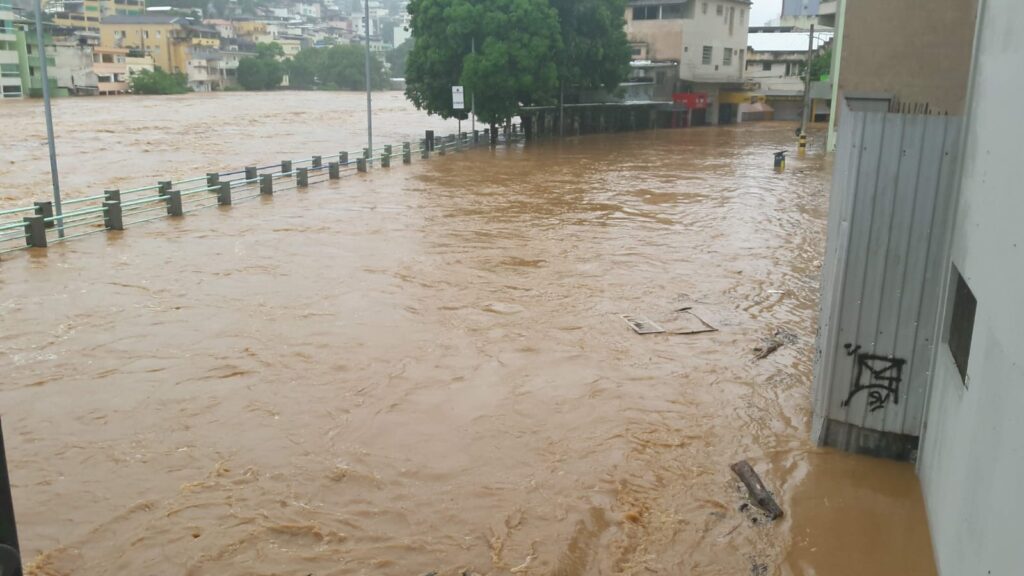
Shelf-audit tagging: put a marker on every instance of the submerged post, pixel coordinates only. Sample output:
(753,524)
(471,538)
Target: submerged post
(113,217)
(165,187)
(174,203)
(286,167)
(318,161)
(212,179)
(343,158)
(361,164)
(224,194)
(45,209)
(333,170)
(424,149)
(35,231)
(251,173)
(429,137)
(406,153)
(302,178)
(10,555)
(266,184)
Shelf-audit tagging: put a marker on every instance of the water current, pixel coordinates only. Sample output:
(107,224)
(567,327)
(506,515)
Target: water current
(425,368)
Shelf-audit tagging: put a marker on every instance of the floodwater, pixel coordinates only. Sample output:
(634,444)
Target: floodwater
(425,368)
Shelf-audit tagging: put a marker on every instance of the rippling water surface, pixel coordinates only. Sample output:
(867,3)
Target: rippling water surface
(425,368)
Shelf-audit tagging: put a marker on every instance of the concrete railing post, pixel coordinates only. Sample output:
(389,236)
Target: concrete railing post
(113,216)
(212,179)
(430,140)
(266,184)
(286,167)
(35,231)
(318,161)
(361,164)
(251,173)
(224,194)
(406,153)
(333,170)
(343,158)
(441,148)
(165,187)
(45,209)
(174,203)
(424,149)
(302,178)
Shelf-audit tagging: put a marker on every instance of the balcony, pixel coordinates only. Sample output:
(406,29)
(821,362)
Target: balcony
(827,11)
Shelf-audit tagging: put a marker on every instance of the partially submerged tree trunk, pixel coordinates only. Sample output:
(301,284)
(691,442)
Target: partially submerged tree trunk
(760,495)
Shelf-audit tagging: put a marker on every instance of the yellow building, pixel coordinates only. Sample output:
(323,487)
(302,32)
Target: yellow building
(169,40)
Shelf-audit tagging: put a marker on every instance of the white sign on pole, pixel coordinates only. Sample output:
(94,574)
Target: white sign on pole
(458,98)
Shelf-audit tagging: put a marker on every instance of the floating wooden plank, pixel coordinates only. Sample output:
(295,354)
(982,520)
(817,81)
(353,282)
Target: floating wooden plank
(759,495)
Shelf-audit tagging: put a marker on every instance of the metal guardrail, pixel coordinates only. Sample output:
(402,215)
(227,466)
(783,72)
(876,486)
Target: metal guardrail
(35,226)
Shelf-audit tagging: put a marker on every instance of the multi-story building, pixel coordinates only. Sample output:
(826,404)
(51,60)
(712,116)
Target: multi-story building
(28,63)
(74,62)
(776,65)
(87,14)
(111,68)
(163,37)
(707,39)
(10,69)
(919,52)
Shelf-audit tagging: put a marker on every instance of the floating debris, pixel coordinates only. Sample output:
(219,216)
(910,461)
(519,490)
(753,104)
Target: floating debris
(642,324)
(769,345)
(759,495)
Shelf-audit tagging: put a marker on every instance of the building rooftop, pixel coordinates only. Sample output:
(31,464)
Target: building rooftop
(144,19)
(785,41)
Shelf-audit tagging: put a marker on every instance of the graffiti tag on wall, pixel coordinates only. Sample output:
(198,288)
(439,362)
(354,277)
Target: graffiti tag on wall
(880,376)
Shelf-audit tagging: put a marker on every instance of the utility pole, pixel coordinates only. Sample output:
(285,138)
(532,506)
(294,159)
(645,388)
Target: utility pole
(472,94)
(807,83)
(369,97)
(41,47)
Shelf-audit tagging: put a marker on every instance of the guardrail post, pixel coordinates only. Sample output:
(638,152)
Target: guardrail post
(286,167)
(266,184)
(406,153)
(318,162)
(385,159)
(361,164)
(212,179)
(333,170)
(442,148)
(302,178)
(476,136)
(174,203)
(35,231)
(430,140)
(343,158)
(45,209)
(424,149)
(165,187)
(251,173)
(10,552)
(224,194)
(113,217)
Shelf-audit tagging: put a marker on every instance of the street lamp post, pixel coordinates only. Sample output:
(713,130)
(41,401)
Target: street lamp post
(41,47)
(369,97)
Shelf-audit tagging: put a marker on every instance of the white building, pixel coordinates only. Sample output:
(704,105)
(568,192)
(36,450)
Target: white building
(10,70)
(706,38)
(972,453)
(776,65)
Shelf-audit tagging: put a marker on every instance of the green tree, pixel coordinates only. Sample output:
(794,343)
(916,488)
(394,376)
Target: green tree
(821,65)
(159,82)
(511,66)
(399,56)
(260,73)
(595,51)
(341,67)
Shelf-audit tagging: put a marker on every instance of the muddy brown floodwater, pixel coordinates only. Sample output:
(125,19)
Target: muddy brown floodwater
(425,368)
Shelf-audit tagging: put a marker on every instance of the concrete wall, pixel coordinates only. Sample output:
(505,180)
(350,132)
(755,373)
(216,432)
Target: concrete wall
(972,458)
(917,50)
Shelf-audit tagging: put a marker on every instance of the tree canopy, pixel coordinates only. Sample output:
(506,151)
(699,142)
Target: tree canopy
(341,67)
(264,71)
(512,53)
(159,82)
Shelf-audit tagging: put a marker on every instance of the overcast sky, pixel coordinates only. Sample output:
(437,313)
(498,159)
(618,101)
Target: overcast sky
(764,10)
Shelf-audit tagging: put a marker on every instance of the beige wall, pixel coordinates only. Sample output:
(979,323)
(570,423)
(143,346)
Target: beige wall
(916,50)
(664,38)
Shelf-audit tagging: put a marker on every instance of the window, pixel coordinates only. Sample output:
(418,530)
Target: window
(961,323)
(671,11)
(646,12)
(706,58)
(157,33)
(719,9)
(727,57)
(9,71)
(145,34)
(766,66)
(638,51)
(788,65)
